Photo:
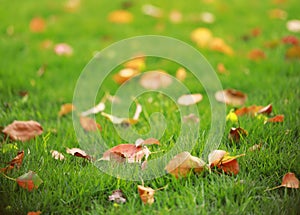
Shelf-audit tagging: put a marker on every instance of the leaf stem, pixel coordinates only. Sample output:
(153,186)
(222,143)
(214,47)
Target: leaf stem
(13,179)
(273,188)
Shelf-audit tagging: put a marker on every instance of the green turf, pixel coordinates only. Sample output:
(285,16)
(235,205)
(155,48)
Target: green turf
(75,186)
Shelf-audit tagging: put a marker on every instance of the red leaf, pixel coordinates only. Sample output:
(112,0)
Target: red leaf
(23,130)
(290,40)
(29,181)
(277,118)
(230,167)
(289,180)
(34,213)
(89,124)
(78,153)
(17,161)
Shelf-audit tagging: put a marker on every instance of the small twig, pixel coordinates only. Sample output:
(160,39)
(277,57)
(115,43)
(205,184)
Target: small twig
(162,187)
(13,179)
(273,188)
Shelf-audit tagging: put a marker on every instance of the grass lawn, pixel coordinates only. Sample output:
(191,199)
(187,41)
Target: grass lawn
(76,186)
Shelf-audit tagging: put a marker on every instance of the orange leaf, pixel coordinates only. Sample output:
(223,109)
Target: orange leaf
(120,16)
(17,161)
(231,97)
(256,54)
(23,130)
(231,167)
(137,63)
(154,80)
(37,25)
(124,75)
(254,110)
(293,52)
(63,49)
(181,74)
(290,180)
(189,99)
(236,133)
(89,124)
(146,194)
(78,153)
(277,118)
(183,163)
(218,44)
(65,109)
(34,213)
(29,181)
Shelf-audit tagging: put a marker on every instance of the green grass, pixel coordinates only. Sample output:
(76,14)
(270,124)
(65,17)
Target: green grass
(75,186)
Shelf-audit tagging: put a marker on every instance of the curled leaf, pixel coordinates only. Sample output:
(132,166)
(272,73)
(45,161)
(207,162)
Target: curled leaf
(29,181)
(235,134)
(289,180)
(23,130)
(78,153)
(146,194)
(189,99)
(231,97)
(253,110)
(184,163)
(65,109)
(16,162)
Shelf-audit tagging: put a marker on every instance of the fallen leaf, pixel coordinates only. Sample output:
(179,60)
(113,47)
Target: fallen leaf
(293,52)
(183,163)
(137,63)
(215,157)
(34,213)
(256,54)
(94,110)
(120,17)
(23,130)
(218,44)
(202,37)
(124,75)
(65,109)
(57,155)
(181,74)
(119,121)
(63,49)
(72,5)
(232,116)
(117,196)
(78,153)
(253,110)
(189,99)
(146,194)
(154,80)
(175,16)
(289,180)
(235,134)
(152,10)
(221,69)
(255,147)
(149,141)
(207,17)
(231,97)
(17,161)
(277,118)
(277,14)
(41,70)
(138,112)
(89,124)
(290,40)
(293,25)
(255,32)
(37,25)
(29,181)
(190,118)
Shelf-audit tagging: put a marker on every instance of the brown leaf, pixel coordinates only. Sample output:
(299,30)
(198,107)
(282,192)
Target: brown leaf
(181,74)
(290,180)
(124,75)
(253,110)
(37,25)
(231,97)
(89,124)
(277,118)
(183,163)
(293,52)
(235,134)
(218,44)
(256,54)
(137,63)
(117,196)
(29,181)
(65,109)
(149,141)
(146,194)
(78,153)
(120,17)
(255,147)
(202,37)
(23,130)
(154,80)
(17,161)
(34,213)
(57,155)
(119,121)
(189,99)
(231,167)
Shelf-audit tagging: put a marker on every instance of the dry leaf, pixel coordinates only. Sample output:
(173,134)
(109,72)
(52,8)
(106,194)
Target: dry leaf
(293,25)
(256,54)
(231,97)
(23,130)
(34,213)
(57,155)
(154,80)
(255,147)
(293,52)
(253,110)
(235,134)
(149,141)
(183,163)
(207,17)
(29,181)
(290,180)
(181,74)
(89,124)
(277,14)
(189,99)
(175,16)
(17,161)
(218,44)
(290,40)
(63,49)
(37,25)
(152,10)
(190,118)
(120,17)
(137,63)
(117,196)
(124,75)
(78,153)
(94,110)
(277,118)
(72,5)
(146,194)
(65,109)
(221,69)
(119,121)
(202,37)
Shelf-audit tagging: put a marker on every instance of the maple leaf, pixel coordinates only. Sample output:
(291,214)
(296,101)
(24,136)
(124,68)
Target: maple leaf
(117,196)
(17,161)
(231,97)
(183,163)
(23,130)
(29,181)
(154,80)
(146,194)
(78,153)
(120,17)
(235,134)
(189,99)
(65,109)
(89,124)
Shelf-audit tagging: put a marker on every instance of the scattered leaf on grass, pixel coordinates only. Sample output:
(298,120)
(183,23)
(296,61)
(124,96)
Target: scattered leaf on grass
(235,134)
(57,155)
(189,99)
(89,124)
(63,49)
(181,74)
(146,194)
(221,69)
(119,121)
(34,213)
(255,147)
(41,70)
(23,130)
(231,97)
(120,17)
(154,80)
(37,25)
(149,141)
(124,75)
(175,16)
(117,196)
(190,118)
(293,25)
(183,163)
(94,110)
(137,63)
(290,40)
(293,52)
(78,153)
(29,181)
(253,110)
(16,162)
(277,14)
(207,17)
(289,180)
(277,118)
(232,116)
(218,44)
(256,54)
(65,109)
(202,37)
(152,10)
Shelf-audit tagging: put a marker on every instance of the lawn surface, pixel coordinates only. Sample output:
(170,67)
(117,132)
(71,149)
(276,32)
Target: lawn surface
(76,186)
